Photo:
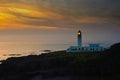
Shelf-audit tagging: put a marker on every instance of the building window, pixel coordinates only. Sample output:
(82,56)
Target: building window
(96,49)
(101,49)
(91,49)
(82,49)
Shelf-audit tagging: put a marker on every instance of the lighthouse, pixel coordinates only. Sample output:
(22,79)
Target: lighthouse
(79,36)
(80,48)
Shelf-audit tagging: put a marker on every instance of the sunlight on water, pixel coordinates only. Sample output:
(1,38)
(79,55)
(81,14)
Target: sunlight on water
(15,49)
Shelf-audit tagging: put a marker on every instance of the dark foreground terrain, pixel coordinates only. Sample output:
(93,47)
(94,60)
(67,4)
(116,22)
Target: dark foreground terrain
(64,66)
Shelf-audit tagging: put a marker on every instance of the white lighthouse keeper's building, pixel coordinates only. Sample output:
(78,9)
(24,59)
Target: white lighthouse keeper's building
(80,48)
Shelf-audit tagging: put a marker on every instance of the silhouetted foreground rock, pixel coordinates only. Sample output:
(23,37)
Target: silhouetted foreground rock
(64,66)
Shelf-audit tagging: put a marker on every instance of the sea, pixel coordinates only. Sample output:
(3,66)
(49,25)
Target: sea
(15,49)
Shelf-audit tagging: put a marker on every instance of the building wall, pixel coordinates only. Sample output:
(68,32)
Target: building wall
(85,49)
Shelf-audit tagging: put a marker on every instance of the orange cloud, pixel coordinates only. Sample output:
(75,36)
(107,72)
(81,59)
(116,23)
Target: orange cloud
(13,26)
(19,10)
(10,18)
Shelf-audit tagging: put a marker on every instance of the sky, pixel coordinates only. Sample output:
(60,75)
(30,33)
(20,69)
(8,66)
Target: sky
(57,21)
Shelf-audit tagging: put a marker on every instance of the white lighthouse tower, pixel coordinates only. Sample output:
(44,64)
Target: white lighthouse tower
(79,36)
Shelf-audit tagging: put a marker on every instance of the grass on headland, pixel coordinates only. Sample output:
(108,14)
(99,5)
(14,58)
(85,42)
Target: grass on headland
(78,56)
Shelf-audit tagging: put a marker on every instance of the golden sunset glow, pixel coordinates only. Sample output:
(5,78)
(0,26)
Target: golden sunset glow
(19,10)
(56,22)
(5,16)
(2,16)
(14,18)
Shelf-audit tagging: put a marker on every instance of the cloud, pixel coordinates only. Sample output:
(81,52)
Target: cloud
(57,13)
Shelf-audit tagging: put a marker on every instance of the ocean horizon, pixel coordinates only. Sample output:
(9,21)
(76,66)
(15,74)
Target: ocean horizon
(16,49)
